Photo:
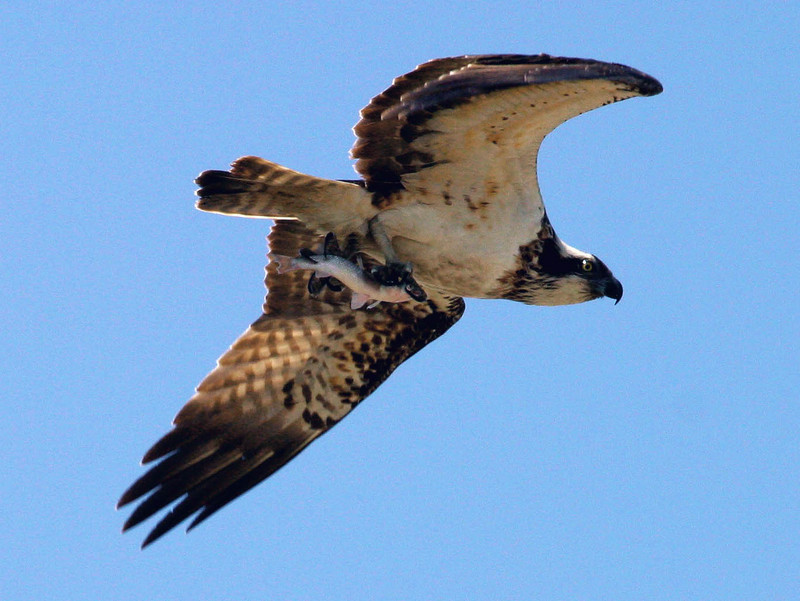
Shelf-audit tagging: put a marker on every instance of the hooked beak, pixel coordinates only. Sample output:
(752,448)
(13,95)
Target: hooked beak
(613,289)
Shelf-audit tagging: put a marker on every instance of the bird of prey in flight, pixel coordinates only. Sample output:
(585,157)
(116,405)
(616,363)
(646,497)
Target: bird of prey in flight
(447,199)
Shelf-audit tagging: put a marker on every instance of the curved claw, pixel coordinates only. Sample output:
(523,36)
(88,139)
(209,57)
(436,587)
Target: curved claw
(334,284)
(414,290)
(399,274)
(315,285)
(391,274)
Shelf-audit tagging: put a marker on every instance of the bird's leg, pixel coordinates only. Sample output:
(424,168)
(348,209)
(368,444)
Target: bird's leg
(394,272)
(330,247)
(381,238)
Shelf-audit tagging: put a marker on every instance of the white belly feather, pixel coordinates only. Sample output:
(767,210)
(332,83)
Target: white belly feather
(461,243)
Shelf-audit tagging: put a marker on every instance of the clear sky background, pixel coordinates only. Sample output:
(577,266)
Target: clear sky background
(643,451)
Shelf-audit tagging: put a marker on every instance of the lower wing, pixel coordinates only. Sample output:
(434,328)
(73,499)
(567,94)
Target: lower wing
(296,371)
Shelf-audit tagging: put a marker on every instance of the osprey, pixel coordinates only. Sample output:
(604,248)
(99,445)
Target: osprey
(448,189)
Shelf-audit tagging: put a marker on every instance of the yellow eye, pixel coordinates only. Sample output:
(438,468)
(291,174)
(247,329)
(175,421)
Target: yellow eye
(587,266)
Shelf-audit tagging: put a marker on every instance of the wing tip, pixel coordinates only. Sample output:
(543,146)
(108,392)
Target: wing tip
(648,85)
(132,493)
(151,538)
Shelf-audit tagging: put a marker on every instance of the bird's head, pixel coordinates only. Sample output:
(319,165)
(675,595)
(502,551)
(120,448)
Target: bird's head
(551,272)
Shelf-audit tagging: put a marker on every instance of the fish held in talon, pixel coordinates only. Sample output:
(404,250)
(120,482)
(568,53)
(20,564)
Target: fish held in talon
(399,275)
(351,275)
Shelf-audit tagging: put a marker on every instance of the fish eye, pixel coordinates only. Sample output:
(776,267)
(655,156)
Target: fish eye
(587,266)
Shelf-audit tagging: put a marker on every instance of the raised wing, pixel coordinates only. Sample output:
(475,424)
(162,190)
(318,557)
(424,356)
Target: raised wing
(298,370)
(469,120)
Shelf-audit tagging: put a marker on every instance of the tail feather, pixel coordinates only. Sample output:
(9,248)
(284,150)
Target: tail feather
(255,187)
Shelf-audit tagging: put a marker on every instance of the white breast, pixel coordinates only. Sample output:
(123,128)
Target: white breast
(462,241)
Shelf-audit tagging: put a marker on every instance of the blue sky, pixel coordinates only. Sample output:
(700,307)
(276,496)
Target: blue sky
(643,451)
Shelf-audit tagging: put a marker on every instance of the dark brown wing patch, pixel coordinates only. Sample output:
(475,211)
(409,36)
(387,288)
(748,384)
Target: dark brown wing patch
(400,115)
(298,370)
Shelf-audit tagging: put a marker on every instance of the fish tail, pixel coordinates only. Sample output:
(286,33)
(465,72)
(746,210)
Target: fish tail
(285,264)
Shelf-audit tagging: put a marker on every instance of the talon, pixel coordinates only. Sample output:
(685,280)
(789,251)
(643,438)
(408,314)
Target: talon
(394,273)
(331,246)
(315,285)
(333,269)
(391,274)
(307,253)
(334,284)
(414,290)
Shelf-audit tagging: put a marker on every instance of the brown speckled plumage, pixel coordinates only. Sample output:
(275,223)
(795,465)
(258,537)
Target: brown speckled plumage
(296,371)
(447,156)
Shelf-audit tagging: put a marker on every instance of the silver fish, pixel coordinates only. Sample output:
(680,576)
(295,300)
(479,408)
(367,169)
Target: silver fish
(352,275)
